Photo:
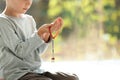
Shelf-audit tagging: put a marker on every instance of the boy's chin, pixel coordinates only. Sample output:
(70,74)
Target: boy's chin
(23,11)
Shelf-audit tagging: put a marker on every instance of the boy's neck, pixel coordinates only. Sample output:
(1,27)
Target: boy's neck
(12,13)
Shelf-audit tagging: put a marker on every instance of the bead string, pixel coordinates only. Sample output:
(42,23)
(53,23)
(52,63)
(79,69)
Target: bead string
(53,55)
(53,37)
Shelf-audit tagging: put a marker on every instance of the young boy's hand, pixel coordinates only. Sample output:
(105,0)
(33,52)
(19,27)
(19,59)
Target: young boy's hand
(57,24)
(43,31)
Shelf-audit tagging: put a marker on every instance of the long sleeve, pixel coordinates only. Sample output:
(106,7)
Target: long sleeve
(13,43)
(20,46)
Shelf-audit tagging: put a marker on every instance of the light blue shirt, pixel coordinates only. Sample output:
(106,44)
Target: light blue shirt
(20,46)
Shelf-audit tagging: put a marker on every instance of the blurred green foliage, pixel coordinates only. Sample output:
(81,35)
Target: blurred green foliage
(83,13)
(112,21)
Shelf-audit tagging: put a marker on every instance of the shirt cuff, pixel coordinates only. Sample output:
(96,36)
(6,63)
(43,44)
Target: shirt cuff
(37,41)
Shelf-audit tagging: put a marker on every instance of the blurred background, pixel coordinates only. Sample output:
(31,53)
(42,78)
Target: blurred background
(91,29)
(89,41)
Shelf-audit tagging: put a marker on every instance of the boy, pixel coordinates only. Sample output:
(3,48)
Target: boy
(21,43)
